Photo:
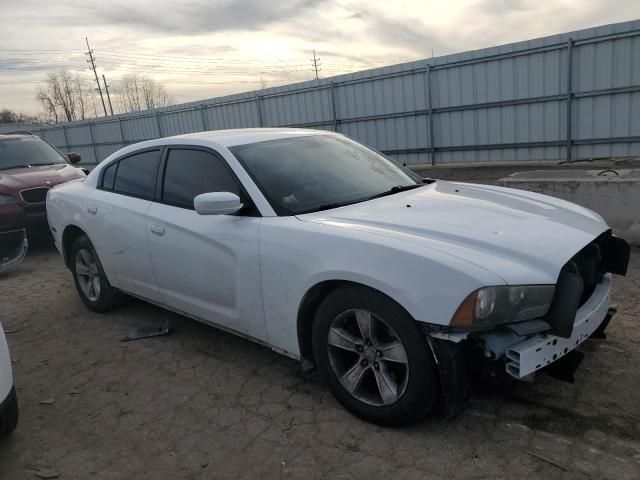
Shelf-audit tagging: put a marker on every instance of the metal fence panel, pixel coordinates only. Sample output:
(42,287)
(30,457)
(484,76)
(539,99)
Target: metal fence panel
(297,108)
(140,128)
(176,123)
(79,135)
(107,132)
(55,136)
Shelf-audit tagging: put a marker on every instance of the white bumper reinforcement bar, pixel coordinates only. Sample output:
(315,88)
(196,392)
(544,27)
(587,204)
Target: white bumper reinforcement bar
(539,351)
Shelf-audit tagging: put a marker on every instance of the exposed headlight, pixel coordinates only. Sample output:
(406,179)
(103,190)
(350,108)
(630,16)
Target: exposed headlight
(7,199)
(491,306)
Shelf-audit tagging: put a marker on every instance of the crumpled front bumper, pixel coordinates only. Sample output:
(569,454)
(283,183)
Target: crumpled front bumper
(541,350)
(13,249)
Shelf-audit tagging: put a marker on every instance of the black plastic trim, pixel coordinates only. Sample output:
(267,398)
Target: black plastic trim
(566,301)
(615,254)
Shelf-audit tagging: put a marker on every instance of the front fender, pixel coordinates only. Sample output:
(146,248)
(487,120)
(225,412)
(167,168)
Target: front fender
(296,256)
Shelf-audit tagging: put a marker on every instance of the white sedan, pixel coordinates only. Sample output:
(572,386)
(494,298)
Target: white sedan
(329,252)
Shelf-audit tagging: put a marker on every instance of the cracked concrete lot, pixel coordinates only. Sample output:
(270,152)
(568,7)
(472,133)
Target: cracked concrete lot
(200,403)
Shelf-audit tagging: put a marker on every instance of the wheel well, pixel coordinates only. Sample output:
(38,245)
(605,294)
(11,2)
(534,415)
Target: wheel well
(70,234)
(310,303)
(308,307)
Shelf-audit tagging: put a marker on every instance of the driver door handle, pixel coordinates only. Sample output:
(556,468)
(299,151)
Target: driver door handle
(92,210)
(157,229)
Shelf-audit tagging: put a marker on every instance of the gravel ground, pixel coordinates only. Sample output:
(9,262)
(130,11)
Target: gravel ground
(200,403)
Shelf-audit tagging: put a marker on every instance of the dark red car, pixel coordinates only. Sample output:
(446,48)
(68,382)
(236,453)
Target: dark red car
(29,167)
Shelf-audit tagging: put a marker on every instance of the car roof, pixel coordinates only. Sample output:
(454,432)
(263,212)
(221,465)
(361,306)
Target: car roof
(9,136)
(242,136)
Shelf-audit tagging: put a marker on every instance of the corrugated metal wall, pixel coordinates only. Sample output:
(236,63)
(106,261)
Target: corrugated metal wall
(574,95)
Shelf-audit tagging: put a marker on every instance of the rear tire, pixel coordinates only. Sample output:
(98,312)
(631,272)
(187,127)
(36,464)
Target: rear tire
(373,357)
(91,282)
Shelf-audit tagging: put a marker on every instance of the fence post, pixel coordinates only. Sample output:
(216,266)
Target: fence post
(66,140)
(333,108)
(432,147)
(159,126)
(569,96)
(259,108)
(124,142)
(93,143)
(203,116)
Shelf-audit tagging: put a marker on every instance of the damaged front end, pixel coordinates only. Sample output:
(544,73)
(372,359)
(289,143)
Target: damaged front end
(579,310)
(13,249)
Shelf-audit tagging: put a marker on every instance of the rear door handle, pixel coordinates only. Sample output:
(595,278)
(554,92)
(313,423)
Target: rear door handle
(92,210)
(157,229)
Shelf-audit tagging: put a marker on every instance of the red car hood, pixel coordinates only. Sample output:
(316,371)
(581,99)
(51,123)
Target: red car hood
(15,179)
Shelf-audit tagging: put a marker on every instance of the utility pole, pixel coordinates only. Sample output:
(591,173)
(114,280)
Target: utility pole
(315,63)
(106,88)
(93,66)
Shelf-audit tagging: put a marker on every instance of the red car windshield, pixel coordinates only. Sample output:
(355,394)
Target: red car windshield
(27,152)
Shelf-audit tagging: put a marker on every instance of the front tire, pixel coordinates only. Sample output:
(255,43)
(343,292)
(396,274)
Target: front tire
(373,357)
(91,282)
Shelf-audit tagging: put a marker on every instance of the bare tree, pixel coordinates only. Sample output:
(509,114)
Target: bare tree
(66,96)
(138,92)
(49,109)
(9,116)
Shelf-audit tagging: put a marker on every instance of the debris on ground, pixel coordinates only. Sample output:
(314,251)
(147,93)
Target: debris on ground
(546,459)
(148,332)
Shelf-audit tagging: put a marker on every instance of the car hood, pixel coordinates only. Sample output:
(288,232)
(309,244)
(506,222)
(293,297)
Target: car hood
(38,176)
(523,237)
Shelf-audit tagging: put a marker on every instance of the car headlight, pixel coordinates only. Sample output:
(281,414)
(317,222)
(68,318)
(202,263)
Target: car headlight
(490,306)
(7,199)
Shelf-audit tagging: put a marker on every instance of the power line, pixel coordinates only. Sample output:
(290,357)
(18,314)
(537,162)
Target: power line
(93,66)
(175,58)
(196,65)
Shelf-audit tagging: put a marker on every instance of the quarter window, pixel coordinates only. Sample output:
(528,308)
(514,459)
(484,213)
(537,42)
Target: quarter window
(189,173)
(136,174)
(109,176)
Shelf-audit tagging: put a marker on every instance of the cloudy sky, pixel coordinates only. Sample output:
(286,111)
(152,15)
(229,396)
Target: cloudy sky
(206,48)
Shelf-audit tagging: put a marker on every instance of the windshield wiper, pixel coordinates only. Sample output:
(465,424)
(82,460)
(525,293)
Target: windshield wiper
(396,189)
(391,191)
(325,206)
(14,166)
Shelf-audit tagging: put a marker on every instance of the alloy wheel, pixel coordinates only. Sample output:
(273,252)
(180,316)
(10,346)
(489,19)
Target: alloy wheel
(88,274)
(368,357)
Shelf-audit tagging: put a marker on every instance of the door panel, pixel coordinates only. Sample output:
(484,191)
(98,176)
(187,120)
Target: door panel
(208,266)
(205,265)
(118,231)
(117,223)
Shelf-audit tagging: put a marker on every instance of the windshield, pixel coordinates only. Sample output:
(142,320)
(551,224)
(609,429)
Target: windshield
(27,151)
(317,172)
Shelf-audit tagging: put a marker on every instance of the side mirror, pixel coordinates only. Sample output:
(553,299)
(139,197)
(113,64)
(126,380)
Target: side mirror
(217,203)
(74,157)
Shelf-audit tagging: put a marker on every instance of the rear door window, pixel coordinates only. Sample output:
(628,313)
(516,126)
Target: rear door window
(188,173)
(136,174)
